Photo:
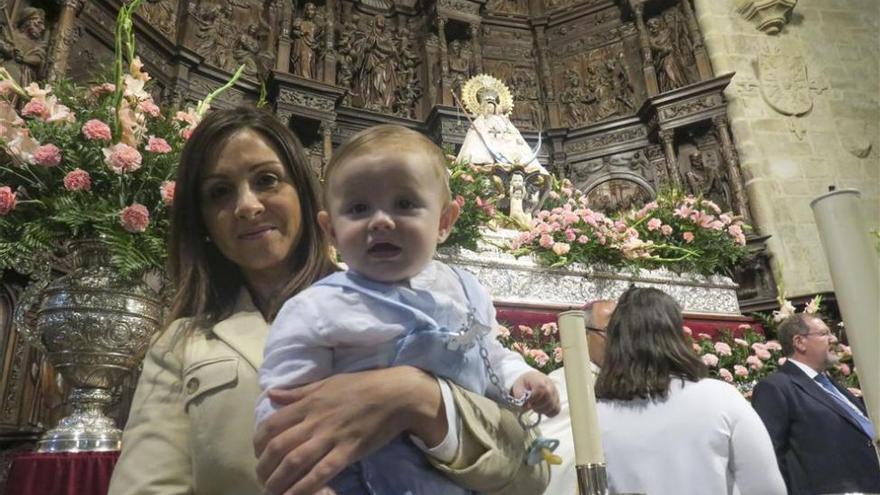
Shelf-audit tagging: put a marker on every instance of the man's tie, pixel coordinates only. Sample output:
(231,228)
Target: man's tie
(848,406)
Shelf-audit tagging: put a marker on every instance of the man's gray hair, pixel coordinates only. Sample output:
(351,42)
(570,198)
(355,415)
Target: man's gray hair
(796,324)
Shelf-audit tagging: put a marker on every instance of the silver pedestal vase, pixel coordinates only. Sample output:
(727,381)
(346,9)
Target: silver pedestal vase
(94,327)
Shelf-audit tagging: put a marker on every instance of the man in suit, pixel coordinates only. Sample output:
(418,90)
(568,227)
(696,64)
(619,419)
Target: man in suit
(820,431)
(563,479)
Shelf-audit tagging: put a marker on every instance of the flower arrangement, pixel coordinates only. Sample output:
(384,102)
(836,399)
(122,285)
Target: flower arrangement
(90,162)
(539,345)
(474,191)
(682,232)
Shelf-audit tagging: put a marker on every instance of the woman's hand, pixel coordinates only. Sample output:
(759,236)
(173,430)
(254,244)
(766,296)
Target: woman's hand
(323,427)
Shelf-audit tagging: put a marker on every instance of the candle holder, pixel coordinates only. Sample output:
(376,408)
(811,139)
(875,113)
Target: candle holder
(592,479)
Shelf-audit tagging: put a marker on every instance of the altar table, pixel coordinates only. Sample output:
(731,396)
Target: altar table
(81,473)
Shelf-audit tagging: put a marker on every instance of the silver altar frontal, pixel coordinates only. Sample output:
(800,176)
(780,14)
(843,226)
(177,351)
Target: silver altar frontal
(524,282)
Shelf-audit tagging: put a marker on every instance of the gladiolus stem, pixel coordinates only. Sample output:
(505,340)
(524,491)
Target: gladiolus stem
(204,104)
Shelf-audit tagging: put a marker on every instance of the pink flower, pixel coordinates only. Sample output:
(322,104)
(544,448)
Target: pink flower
(95,130)
(460,200)
(654,224)
(688,237)
(186,132)
(583,239)
(134,218)
(47,155)
(7,200)
(710,360)
(740,342)
(557,354)
(549,329)
(561,248)
(158,145)
(725,375)
(723,349)
(6,87)
(754,362)
(520,348)
(486,206)
(503,332)
(773,345)
(122,158)
(687,330)
(666,230)
(704,336)
(149,108)
(77,180)
(546,241)
(541,358)
(103,89)
(35,108)
(781,361)
(740,370)
(570,235)
(844,369)
(166,190)
(525,330)
(189,117)
(763,354)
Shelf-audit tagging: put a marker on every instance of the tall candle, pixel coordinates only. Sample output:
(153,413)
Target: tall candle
(579,382)
(855,273)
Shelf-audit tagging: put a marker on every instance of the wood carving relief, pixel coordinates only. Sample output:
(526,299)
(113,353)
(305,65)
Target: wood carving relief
(161,14)
(24,44)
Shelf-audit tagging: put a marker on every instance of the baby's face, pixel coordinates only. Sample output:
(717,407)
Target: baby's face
(387,213)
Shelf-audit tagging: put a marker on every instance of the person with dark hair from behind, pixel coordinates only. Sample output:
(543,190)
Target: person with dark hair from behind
(821,432)
(667,428)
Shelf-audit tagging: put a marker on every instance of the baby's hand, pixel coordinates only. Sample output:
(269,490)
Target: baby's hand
(544,398)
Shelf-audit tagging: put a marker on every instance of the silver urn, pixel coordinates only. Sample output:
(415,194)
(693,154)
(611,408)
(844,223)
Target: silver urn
(94,328)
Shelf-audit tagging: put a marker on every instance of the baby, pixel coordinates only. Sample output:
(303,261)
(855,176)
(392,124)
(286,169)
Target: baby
(387,207)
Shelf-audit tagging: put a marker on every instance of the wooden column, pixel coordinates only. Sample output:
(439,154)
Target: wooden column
(65,37)
(704,66)
(329,50)
(731,161)
(282,59)
(446,84)
(645,44)
(327,128)
(667,136)
(477,45)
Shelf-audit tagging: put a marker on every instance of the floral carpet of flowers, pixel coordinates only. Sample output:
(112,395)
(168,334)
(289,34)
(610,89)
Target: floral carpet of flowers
(104,171)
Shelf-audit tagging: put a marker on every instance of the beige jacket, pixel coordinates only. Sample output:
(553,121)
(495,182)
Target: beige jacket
(192,418)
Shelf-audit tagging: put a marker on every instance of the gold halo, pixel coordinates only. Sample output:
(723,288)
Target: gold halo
(470,88)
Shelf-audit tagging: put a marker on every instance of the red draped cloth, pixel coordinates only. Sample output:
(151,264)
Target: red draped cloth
(81,473)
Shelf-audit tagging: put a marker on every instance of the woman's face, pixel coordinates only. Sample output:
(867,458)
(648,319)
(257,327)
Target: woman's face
(251,207)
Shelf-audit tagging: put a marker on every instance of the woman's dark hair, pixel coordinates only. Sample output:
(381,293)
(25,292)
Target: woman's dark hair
(646,348)
(207,283)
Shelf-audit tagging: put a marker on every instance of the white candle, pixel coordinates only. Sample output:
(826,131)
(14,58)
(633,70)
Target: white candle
(855,273)
(579,382)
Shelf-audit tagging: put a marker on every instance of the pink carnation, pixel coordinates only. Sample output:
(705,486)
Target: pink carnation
(149,108)
(503,332)
(541,358)
(546,241)
(95,130)
(460,200)
(723,349)
(844,369)
(754,362)
(35,108)
(710,360)
(687,330)
(7,200)
(704,336)
(688,237)
(561,248)
(103,89)
(158,145)
(549,329)
(47,155)
(740,370)
(763,354)
(186,132)
(122,158)
(135,218)
(666,230)
(654,224)
(525,330)
(773,345)
(583,239)
(557,355)
(77,180)
(781,361)
(166,190)
(740,342)
(725,375)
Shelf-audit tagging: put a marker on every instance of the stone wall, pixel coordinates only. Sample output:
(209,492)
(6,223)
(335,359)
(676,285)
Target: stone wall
(805,111)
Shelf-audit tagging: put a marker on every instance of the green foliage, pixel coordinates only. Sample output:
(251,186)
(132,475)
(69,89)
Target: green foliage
(475,193)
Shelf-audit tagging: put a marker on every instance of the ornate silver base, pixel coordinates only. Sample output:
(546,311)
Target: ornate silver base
(87,429)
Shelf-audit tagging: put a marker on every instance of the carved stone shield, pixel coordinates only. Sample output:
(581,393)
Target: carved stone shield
(784,84)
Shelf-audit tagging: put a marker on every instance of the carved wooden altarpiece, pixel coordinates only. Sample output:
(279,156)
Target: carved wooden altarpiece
(621,92)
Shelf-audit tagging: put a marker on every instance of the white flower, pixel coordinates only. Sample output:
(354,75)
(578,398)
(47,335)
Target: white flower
(784,312)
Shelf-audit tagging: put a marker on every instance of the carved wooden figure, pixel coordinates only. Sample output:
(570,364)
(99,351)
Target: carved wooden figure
(23,46)
(306,33)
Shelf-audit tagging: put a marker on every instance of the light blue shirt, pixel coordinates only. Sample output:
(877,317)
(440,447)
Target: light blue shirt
(346,322)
